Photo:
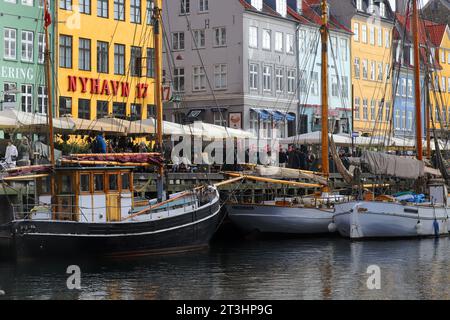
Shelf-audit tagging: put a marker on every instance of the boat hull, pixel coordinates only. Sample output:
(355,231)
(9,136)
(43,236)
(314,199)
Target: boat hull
(186,232)
(280,220)
(359,220)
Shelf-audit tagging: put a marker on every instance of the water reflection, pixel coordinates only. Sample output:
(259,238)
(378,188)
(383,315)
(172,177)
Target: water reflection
(266,269)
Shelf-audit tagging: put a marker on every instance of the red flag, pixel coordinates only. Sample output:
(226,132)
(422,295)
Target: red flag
(47,19)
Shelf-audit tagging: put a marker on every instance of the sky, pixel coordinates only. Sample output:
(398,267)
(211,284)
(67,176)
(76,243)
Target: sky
(393,3)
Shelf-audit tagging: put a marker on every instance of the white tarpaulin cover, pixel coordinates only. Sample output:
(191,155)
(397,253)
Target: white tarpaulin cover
(395,166)
(315,138)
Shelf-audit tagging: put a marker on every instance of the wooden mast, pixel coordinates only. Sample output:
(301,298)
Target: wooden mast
(427,116)
(47,23)
(158,92)
(415,30)
(324,37)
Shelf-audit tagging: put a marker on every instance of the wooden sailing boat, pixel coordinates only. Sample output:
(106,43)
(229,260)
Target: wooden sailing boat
(375,219)
(308,215)
(89,208)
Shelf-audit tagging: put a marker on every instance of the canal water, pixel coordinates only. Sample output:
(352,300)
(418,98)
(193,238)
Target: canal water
(325,268)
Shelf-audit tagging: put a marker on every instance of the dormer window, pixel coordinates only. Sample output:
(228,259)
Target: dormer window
(359,5)
(370,7)
(281,7)
(257,4)
(382,9)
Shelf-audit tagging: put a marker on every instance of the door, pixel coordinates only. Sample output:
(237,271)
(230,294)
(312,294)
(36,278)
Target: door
(113,212)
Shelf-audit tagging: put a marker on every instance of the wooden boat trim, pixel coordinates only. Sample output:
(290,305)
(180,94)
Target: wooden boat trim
(261,179)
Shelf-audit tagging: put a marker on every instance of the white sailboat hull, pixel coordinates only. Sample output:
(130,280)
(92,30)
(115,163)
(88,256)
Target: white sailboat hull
(280,220)
(359,220)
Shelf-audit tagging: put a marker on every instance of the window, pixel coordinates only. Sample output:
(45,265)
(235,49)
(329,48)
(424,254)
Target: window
(290,43)
(303,85)
(10,43)
(344,52)
(119,10)
(357,107)
(99,183)
(204,5)
(253,37)
(8,94)
(380,111)
(267,78)
(397,119)
(27,46)
(85,183)
(302,40)
(199,76)
(27,98)
(444,84)
(102,8)
(281,7)
(334,86)
(65,4)
(356,31)
(65,106)
(178,80)
(315,83)
(135,11)
(136,61)
(359,5)
(345,87)
(403,119)
(387,39)
(219,119)
(382,10)
(253,76)
(42,100)
(380,37)
(388,111)
(364,69)
(388,71)
(151,67)
(267,39)
(372,35)
(380,71)
(365,110)
(84,109)
(84,54)
(125,177)
(364,33)
(313,41)
(65,51)
(150,5)
(113,182)
(279,79)
(372,70)
(199,39)
(279,41)
(135,112)
(220,76)
(102,109)
(185,6)
(220,37)
(102,57)
(334,46)
(291,81)
(403,87)
(356,65)
(41,48)
(119,59)
(178,41)
(410,120)
(151,111)
(257,4)
(448,87)
(84,6)
(370,7)
(119,110)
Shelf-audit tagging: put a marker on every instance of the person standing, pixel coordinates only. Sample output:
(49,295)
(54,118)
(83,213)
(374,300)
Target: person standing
(100,143)
(11,155)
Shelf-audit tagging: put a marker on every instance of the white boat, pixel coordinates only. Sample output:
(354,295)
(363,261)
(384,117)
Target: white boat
(372,219)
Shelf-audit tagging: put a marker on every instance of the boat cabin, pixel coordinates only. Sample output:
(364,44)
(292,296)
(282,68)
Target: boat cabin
(93,194)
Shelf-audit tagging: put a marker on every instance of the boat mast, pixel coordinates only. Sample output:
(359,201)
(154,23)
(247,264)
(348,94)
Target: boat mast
(158,94)
(47,23)
(324,37)
(427,116)
(415,30)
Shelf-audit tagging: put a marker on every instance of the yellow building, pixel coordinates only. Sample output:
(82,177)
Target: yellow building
(105,58)
(372,61)
(439,35)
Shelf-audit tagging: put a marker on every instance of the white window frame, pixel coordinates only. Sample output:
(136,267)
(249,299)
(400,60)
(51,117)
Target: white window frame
(220,76)
(10,43)
(279,42)
(199,39)
(267,78)
(220,36)
(291,79)
(290,43)
(43,99)
(253,37)
(356,31)
(203,6)
(199,78)
(279,79)
(179,80)
(364,33)
(178,41)
(253,76)
(27,98)
(267,39)
(27,46)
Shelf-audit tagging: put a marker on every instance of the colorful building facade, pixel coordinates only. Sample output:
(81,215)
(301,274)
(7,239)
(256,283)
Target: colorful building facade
(371,49)
(105,58)
(22,74)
